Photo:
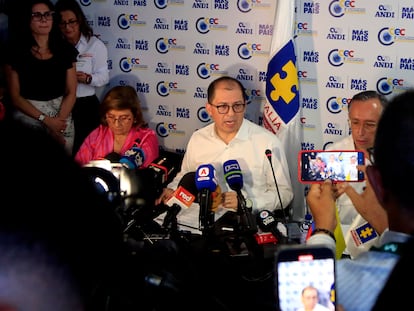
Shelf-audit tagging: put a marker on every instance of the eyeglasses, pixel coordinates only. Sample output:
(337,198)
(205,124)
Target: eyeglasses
(367,126)
(38,16)
(120,119)
(223,109)
(68,23)
(371,155)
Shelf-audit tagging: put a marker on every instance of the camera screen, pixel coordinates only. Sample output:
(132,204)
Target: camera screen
(319,165)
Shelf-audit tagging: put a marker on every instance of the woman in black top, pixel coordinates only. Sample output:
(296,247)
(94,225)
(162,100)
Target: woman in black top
(41,74)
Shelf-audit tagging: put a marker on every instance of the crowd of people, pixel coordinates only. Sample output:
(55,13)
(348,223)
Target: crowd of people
(53,66)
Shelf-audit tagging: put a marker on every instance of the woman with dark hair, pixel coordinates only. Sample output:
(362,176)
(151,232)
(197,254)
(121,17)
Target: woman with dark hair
(91,67)
(123,131)
(40,71)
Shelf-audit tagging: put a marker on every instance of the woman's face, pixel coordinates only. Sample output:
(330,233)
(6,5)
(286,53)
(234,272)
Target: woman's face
(42,19)
(69,26)
(120,121)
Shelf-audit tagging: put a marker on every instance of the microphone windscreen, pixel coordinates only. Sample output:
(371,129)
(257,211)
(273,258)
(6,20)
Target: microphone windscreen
(205,177)
(188,183)
(114,157)
(133,158)
(233,174)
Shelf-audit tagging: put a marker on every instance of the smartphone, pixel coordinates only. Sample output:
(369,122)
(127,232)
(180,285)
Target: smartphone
(315,166)
(303,271)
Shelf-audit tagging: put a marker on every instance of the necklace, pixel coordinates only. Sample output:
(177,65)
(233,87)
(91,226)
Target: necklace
(41,52)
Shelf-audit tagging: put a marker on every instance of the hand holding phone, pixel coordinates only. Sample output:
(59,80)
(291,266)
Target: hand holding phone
(315,166)
(305,276)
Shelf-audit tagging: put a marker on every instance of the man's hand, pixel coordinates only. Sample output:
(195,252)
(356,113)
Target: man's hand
(321,201)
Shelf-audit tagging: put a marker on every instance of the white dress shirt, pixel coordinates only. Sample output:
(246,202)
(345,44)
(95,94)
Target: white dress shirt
(92,59)
(248,149)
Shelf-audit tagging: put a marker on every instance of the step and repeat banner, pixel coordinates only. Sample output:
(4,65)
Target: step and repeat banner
(170,50)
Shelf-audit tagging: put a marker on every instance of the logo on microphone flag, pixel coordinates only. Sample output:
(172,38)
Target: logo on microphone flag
(281,111)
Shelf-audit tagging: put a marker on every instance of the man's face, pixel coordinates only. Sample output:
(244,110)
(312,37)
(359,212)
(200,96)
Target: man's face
(227,93)
(363,118)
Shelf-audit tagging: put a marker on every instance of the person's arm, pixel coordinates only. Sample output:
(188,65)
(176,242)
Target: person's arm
(100,72)
(19,101)
(366,203)
(368,207)
(69,97)
(320,200)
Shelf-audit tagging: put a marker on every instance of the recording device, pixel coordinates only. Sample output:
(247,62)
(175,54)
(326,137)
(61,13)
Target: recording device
(132,191)
(268,223)
(206,183)
(268,154)
(306,265)
(316,166)
(234,178)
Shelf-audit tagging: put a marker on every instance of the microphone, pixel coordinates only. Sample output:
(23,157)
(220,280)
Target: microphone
(268,153)
(267,223)
(234,178)
(133,158)
(206,183)
(181,198)
(162,168)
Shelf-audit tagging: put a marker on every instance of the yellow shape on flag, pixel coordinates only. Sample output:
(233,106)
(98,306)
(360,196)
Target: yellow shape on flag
(339,236)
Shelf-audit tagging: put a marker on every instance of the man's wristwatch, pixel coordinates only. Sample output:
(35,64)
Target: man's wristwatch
(88,79)
(41,118)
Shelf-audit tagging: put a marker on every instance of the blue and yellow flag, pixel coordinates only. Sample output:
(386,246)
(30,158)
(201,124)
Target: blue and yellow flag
(281,113)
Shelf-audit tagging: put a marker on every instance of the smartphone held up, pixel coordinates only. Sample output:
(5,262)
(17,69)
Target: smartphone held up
(315,166)
(305,278)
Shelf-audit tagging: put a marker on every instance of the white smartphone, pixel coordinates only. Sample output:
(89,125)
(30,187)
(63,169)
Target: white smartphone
(314,166)
(304,275)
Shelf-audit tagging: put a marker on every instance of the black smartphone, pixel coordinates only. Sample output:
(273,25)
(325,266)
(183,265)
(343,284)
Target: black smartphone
(304,277)
(315,166)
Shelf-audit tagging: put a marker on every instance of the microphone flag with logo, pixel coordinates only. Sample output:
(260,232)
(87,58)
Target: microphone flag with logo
(206,183)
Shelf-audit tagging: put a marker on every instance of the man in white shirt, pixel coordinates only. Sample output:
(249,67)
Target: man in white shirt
(364,112)
(232,137)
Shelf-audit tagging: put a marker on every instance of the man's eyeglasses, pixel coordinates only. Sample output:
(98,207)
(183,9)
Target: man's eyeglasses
(70,23)
(120,119)
(371,154)
(223,109)
(38,16)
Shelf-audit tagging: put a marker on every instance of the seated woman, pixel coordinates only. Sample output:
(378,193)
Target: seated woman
(123,131)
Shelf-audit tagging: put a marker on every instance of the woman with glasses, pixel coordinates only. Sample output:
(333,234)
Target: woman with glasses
(122,131)
(40,71)
(91,67)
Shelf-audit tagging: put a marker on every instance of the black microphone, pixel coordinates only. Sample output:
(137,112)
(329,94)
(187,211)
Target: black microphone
(182,197)
(234,178)
(268,153)
(206,183)
(268,223)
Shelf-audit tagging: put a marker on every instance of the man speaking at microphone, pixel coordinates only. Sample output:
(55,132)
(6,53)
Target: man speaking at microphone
(232,136)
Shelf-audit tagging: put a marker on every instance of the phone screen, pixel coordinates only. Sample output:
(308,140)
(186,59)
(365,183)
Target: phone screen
(305,275)
(337,165)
